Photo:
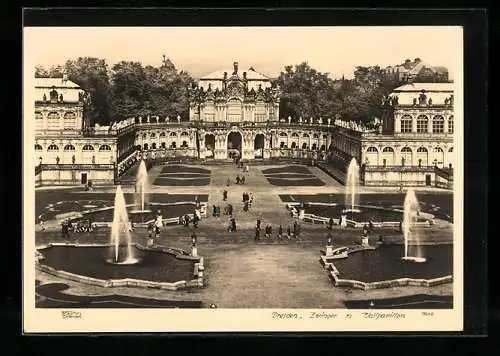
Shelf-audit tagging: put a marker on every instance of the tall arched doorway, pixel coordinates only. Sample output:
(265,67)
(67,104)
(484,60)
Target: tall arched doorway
(209,145)
(234,145)
(258,146)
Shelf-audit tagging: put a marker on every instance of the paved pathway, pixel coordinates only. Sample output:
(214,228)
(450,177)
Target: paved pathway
(241,273)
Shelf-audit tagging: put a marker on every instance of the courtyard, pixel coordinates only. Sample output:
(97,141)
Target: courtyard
(239,271)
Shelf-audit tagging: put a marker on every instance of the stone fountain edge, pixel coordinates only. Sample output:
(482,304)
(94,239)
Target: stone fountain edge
(198,270)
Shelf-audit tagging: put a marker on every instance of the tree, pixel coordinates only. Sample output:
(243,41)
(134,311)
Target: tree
(306,92)
(92,75)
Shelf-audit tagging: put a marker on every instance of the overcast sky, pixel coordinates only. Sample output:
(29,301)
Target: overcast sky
(201,50)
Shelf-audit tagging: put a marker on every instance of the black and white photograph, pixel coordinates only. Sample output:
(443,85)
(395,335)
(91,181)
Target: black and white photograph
(243,178)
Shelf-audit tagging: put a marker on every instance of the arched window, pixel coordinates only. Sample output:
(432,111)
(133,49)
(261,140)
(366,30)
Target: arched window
(153,146)
(323,147)
(438,124)
(70,115)
(38,147)
(388,149)
(53,115)
(451,149)
(174,144)
(152,135)
(105,148)
(450,125)
(69,120)
(422,150)
(38,115)
(146,146)
(372,149)
(53,148)
(304,146)
(324,137)
(438,149)
(294,134)
(184,144)
(282,144)
(315,136)
(314,147)
(406,123)
(173,134)
(69,147)
(162,134)
(184,133)
(294,145)
(88,148)
(144,136)
(422,124)
(305,136)
(283,134)
(406,155)
(163,145)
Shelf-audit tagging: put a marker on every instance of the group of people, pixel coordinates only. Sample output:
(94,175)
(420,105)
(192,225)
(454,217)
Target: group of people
(77,227)
(239,180)
(247,200)
(291,232)
(186,219)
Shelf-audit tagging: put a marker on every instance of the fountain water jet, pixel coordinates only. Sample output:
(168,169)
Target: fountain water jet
(142,185)
(141,198)
(411,208)
(119,229)
(351,188)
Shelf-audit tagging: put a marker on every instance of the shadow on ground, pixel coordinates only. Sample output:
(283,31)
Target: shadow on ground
(51,295)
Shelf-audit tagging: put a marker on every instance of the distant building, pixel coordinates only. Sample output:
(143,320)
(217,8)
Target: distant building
(415,144)
(417,70)
(67,150)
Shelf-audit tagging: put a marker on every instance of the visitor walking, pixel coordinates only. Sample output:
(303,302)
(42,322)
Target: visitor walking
(130,225)
(42,226)
(245,207)
(257,232)
(214,211)
(237,179)
(228,182)
(288,232)
(280,232)
(224,195)
(330,223)
(195,220)
(295,232)
(242,179)
(186,220)
(217,212)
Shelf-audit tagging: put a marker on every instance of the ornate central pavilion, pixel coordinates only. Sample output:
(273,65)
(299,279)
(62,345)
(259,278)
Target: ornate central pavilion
(233,109)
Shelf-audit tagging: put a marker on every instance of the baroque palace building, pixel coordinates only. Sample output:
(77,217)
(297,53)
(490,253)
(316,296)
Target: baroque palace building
(235,114)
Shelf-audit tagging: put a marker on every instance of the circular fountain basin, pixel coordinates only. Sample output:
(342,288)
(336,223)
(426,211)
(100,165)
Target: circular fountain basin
(94,264)
(385,267)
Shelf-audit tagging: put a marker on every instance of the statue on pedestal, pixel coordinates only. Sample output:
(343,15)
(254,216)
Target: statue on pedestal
(289,119)
(329,120)
(300,120)
(179,119)
(140,119)
(157,119)
(320,121)
(148,119)
(311,120)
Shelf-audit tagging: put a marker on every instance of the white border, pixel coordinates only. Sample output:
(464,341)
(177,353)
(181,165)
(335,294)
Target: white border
(229,320)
